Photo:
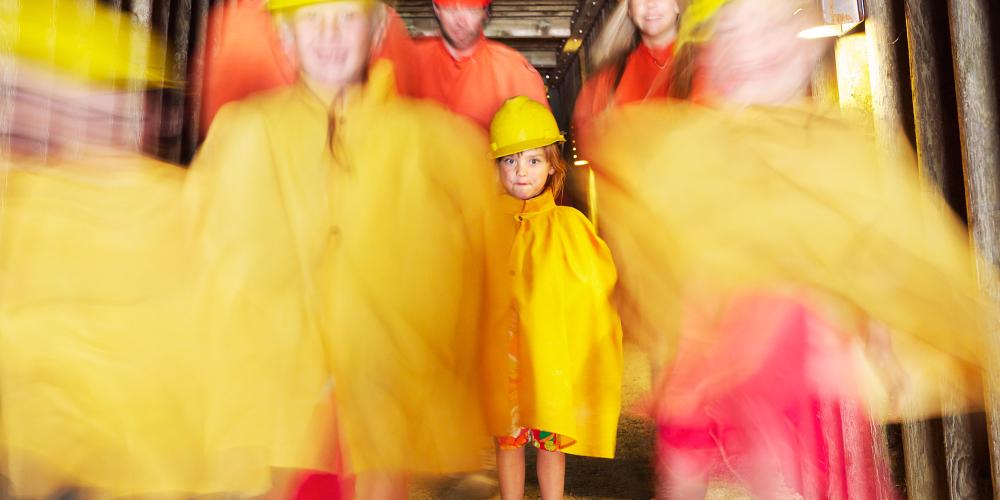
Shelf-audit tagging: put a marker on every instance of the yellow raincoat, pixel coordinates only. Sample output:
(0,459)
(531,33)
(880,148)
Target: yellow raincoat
(100,368)
(371,262)
(172,331)
(568,336)
(705,205)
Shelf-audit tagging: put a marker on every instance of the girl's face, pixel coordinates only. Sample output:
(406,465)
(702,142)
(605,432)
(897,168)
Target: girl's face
(332,41)
(524,174)
(655,19)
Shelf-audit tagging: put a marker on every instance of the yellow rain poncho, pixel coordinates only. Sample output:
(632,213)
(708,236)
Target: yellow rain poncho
(568,336)
(100,368)
(704,206)
(183,332)
(366,256)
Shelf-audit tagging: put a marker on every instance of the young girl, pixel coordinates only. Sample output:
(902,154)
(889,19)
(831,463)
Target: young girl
(565,336)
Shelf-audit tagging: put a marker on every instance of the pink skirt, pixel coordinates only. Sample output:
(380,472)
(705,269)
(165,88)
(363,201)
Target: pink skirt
(762,394)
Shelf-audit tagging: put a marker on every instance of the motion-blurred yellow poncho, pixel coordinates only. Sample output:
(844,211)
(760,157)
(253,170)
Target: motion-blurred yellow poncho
(165,331)
(100,365)
(568,333)
(705,205)
(367,254)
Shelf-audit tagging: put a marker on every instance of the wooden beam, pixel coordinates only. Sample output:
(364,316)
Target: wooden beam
(887,108)
(925,82)
(979,126)
(980,139)
(537,28)
(196,79)
(502,28)
(583,21)
(135,107)
(921,452)
(546,59)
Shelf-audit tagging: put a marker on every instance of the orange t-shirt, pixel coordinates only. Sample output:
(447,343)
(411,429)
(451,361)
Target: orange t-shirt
(397,47)
(476,86)
(244,56)
(646,75)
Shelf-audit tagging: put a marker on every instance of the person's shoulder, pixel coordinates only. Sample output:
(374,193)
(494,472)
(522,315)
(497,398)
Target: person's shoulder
(241,124)
(430,147)
(504,52)
(428,122)
(601,80)
(579,228)
(257,103)
(571,216)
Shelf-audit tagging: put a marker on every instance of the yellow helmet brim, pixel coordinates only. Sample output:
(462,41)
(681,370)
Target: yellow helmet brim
(276,5)
(85,40)
(522,124)
(696,21)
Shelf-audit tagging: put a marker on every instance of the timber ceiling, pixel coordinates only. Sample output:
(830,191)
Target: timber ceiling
(539,29)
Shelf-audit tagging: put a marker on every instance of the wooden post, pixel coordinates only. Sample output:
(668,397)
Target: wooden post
(883,33)
(980,136)
(824,82)
(926,85)
(196,79)
(960,457)
(172,113)
(135,108)
(923,454)
(883,66)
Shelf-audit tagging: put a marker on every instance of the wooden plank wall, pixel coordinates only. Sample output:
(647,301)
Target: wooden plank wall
(933,67)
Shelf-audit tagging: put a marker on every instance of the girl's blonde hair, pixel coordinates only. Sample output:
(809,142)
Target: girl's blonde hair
(617,39)
(553,154)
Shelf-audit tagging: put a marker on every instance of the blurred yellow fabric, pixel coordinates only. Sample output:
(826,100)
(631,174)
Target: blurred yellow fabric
(705,205)
(100,367)
(180,332)
(384,248)
(569,335)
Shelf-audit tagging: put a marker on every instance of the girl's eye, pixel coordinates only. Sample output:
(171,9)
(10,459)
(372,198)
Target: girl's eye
(535,161)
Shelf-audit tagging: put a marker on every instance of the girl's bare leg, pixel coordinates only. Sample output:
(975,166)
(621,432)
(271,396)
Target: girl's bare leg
(551,474)
(510,470)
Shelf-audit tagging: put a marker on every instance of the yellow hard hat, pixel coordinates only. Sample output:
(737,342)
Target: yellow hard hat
(522,124)
(85,40)
(696,24)
(274,5)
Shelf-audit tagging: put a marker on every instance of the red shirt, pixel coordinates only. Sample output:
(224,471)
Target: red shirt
(646,75)
(244,56)
(476,86)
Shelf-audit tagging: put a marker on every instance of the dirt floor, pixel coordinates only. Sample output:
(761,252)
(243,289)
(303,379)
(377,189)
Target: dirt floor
(628,476)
